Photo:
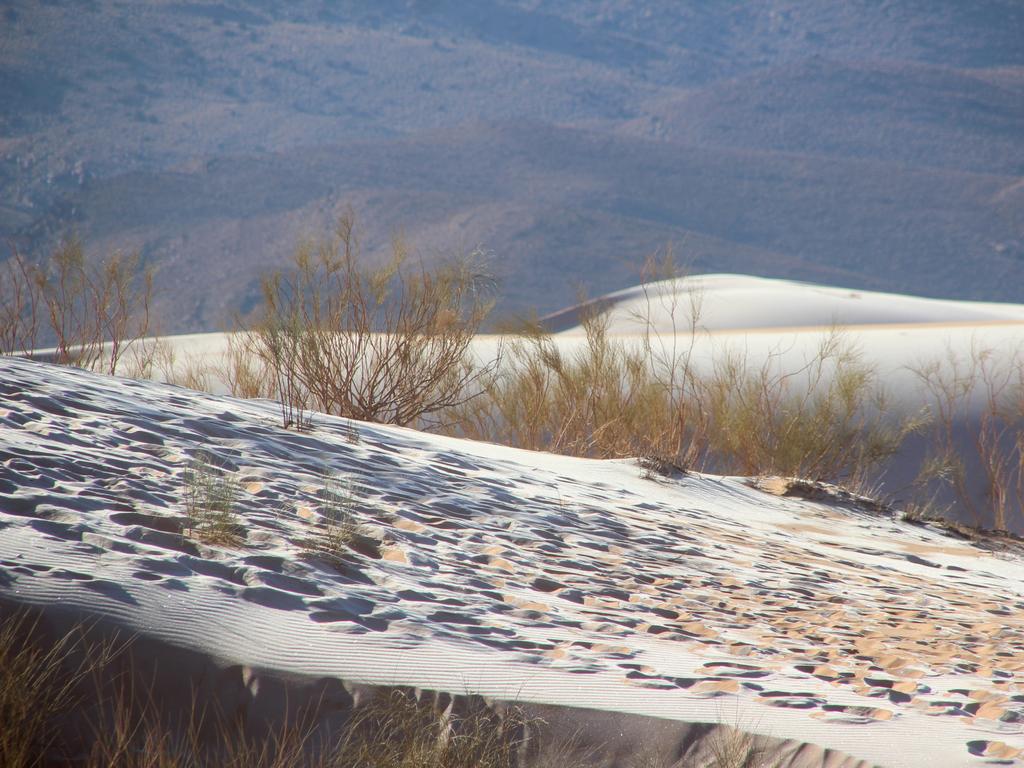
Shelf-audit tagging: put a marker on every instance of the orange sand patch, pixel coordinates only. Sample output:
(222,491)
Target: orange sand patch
(935,549)
(410,525)
(395,555)
(804,528)
(716,686)
(990,711)
(1001,751)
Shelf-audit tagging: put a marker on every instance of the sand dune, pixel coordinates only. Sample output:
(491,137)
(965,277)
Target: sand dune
(723,302)
(551,581)
(783,324)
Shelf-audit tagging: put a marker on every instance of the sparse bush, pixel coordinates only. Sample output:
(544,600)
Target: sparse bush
(606,400)
(994,450)
(190,371)
(91,313)
(20,306)
(246,375)
(642,396)
(827,420)
(210,497)
(386,344)
(336,527)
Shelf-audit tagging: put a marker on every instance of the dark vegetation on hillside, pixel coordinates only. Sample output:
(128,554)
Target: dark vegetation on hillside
(877,145)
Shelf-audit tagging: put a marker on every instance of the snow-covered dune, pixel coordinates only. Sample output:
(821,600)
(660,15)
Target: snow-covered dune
(518,576)
(723,302)
(975,349)
(783,324)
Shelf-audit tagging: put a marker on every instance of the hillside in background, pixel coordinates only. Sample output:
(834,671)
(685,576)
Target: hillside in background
(874,145)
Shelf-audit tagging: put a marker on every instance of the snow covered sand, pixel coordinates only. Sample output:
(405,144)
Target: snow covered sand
(784,323)
(727,302)
(763,314)
(518,576)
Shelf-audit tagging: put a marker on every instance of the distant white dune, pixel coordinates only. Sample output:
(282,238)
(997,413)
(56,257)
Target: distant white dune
(723,302)
(763,316)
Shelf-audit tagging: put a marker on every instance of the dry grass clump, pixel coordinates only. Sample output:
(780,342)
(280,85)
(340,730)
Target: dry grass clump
(90,313)
(64,702)
(38,685)
(44,686)
(386,344)
(735,748)
(606,400)
(643,397)
(137,736)
(210,496)
(247,376)
(336,528)
(78,701)
(399,731)
(828,420)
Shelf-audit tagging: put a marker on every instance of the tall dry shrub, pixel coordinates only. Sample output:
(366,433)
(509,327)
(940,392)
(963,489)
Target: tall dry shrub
(984,390)
(90,312)
(604,400)
(608,398)
(825,420)
(20,306)
(387,344)
(642,395)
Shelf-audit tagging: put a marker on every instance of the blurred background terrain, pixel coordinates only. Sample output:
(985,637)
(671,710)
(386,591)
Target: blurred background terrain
(875,145)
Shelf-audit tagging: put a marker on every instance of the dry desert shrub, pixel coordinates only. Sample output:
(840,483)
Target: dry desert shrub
(605,400)
(386,344)
(827,420)
(246,375)
(90,313)
(642,396)
(994,387)
(190,370)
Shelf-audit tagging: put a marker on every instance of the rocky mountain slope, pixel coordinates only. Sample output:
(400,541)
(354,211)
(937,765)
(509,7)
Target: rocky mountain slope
(877,145)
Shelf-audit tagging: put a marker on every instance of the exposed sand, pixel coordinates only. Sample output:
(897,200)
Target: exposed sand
(517,576)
